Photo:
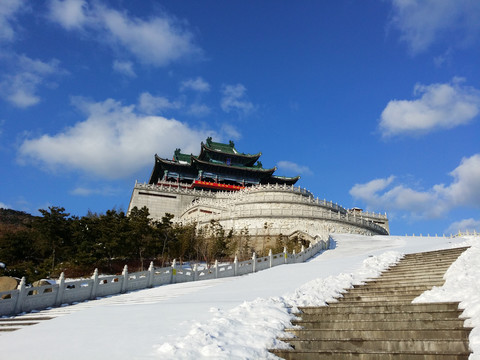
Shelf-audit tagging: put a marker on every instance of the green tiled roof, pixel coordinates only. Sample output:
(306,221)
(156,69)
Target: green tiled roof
(226,148)
(178,156)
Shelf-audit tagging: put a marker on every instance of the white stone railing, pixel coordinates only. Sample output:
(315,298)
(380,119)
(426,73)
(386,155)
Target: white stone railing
(177,188)
(207,197)
(314,212)
(27,298)
(239,197)
(370,215)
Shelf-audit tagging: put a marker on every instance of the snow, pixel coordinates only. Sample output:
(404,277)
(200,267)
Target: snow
(235,318)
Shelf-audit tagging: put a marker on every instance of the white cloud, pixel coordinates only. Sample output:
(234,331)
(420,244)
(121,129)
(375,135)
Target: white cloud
(125,68)
(230,131)
(443,59)
(4,206)
(471,225)
(440,106)
(8,12)
(112,142)
(463,191)
(197,84)
(293,167)
(20,85)
(233,98)
(425,22)
(71,14)
(158,41)
(368,190)
(198,110)
(85,191)
(150,104)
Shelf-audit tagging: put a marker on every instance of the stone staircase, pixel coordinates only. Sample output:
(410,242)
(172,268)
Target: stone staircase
(378,321)
(18,322)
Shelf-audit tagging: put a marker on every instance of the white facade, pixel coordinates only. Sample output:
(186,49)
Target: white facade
(265,210)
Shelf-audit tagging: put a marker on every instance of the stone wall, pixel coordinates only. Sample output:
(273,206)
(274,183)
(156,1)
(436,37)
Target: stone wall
(280,210)
(265,210)
(161,199)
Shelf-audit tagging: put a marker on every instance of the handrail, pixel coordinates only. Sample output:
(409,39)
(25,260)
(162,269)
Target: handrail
(25,298)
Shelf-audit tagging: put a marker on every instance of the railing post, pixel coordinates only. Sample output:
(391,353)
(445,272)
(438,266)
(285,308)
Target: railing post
(125,279)
(174,272)
(22,292)
(235,266)
(254,262)
(294,256)
(93,293)
(285,254)
(61,289)
(270,255)
(216,269)
(151,273)
(195,272)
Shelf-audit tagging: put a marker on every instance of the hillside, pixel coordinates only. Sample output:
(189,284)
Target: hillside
(14,218)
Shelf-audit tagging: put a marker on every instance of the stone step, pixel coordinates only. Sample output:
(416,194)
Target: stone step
(380,292)
(438,253)
(14,323)
(403,282)
(432,257)
(25,318)
(386,284)
(392,287)
(408,276)
(376,320)
(381,324)
(409,264)
(382,303)
(377,355)
(7,329)
(372,286)
(379,296)
(385,298)
(412,274)
(460,333)
(459,249)
(435,260)
(369,308)
(387,290)
(381,316)
(416,272)
(359,344)
(17,323)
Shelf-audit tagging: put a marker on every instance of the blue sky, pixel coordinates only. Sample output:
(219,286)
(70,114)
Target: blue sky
(374,103)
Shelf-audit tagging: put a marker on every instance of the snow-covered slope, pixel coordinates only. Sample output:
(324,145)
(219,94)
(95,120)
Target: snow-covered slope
(233,318)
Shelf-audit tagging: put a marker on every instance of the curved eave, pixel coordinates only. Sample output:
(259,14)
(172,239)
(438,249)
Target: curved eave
(170,162)
(239,168)
(251,158)
(284,179)
(159,163)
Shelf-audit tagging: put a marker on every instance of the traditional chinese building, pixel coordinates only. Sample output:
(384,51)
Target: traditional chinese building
(218,167)
(234,189)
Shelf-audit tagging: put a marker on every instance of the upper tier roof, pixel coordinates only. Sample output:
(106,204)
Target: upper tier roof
(226,148)
(217,157)
(182,158)
(201,163)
